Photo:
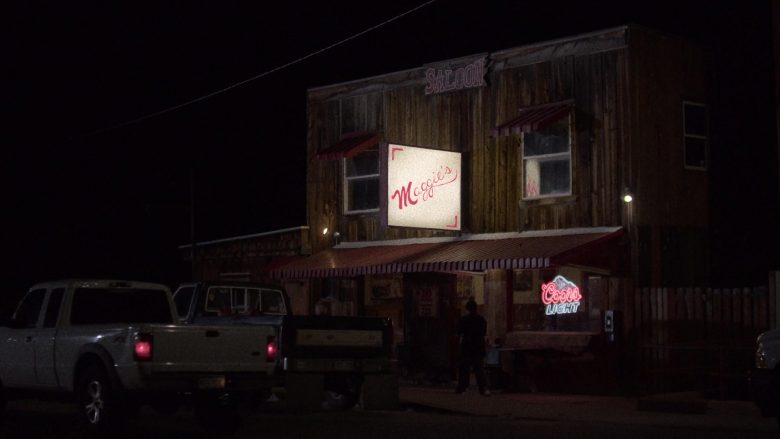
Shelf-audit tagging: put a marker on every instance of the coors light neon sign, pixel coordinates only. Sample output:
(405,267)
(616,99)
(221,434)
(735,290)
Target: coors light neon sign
(561,296)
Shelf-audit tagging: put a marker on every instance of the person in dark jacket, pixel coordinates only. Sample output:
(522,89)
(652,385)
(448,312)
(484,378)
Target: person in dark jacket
(472,330)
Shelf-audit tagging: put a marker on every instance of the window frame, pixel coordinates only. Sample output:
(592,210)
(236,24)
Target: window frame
(346,179)
(705,137)
(548,157)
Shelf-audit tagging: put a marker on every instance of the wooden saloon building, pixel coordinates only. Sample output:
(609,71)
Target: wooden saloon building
(548,182)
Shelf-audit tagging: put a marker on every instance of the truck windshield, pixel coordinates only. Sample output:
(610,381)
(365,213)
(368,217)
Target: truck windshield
(95,306)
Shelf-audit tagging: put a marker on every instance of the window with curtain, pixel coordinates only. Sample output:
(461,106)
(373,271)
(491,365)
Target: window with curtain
(547,161)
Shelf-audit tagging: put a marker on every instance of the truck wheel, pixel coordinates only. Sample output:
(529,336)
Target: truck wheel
(341,392)
(96,399)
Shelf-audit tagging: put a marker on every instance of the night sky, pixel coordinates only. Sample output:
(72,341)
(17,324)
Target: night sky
(90,195)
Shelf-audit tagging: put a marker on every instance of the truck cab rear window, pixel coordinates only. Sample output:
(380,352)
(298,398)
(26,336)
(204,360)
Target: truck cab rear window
(244,301)
(94,306)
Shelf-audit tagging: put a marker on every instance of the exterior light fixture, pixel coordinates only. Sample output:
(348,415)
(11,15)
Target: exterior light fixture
(627,197)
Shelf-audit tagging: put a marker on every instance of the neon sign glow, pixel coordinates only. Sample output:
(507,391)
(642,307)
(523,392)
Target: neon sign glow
(561,296)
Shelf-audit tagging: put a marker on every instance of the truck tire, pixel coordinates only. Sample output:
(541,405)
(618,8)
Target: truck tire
(97,400)
(341,392)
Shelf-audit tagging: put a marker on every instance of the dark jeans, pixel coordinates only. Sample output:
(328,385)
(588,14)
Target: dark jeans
(466,364)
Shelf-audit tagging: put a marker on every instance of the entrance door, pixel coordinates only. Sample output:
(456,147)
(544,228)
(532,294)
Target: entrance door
(429,306)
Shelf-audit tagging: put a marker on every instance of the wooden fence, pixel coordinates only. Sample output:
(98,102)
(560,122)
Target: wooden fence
(697,338)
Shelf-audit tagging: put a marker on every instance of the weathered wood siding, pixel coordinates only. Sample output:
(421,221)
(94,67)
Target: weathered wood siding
(671,204)
(627,84)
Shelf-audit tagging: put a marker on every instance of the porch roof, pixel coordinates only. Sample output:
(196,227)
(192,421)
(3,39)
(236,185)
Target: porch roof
(479,252)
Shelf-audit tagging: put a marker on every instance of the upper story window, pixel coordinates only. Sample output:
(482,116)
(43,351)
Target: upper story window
(695,135)
(361,182)
(547,160)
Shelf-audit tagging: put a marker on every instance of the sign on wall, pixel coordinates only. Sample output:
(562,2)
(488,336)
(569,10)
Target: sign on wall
(461,75)
(561,296)
(423,188)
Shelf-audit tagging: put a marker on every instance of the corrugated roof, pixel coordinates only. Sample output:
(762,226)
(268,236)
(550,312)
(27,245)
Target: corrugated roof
(469,253)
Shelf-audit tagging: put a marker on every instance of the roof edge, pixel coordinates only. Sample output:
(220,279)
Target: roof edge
(481,237)
(240,238)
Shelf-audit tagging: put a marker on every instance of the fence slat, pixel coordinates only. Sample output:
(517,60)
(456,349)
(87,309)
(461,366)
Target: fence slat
(736,308)
(717,313)
(698,303)
(689,314)
(747,309)
(760,309)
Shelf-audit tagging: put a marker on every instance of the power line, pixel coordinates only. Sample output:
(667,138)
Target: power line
(256,77)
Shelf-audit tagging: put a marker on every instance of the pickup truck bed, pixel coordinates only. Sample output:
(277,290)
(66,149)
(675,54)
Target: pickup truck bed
(334,360)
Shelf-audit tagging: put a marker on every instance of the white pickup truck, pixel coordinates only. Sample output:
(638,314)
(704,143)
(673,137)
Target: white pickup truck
(115,345)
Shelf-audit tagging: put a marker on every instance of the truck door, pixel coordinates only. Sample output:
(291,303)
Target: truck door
(45,354)
(17,349)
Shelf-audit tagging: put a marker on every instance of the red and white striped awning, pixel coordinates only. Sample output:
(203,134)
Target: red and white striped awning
(350,145)
(534,118)
(538,249)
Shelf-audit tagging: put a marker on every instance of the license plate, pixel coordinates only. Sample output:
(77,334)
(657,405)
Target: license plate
(215,382)
(343,365)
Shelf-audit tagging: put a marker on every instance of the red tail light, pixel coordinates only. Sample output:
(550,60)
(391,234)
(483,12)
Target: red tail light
(143,347)
(271,349)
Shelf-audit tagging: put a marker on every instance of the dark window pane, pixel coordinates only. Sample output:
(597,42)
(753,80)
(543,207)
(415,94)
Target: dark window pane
(365,163)
(695,119)
(183,298)
(218,299)
(551,140)
(239,298)
(30,309)
(94,306)
(696,152)
(555,176)
(53,308)
(272,302)
(253,299)
(363,194)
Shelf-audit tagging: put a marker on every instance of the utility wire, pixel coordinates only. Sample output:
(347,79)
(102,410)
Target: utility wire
(253,78)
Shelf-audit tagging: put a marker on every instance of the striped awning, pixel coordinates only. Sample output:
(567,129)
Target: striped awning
(350,145)
(537,249)
(534,118)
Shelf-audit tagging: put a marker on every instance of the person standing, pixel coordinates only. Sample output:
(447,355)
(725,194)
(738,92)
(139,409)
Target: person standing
(472,330)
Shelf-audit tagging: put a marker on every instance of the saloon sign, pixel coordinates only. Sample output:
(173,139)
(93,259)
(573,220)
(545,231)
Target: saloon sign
(423,188)
(561,296)
(446,78)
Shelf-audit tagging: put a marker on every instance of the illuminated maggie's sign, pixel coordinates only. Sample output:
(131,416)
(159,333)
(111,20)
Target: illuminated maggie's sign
(423,188)
(561,296)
